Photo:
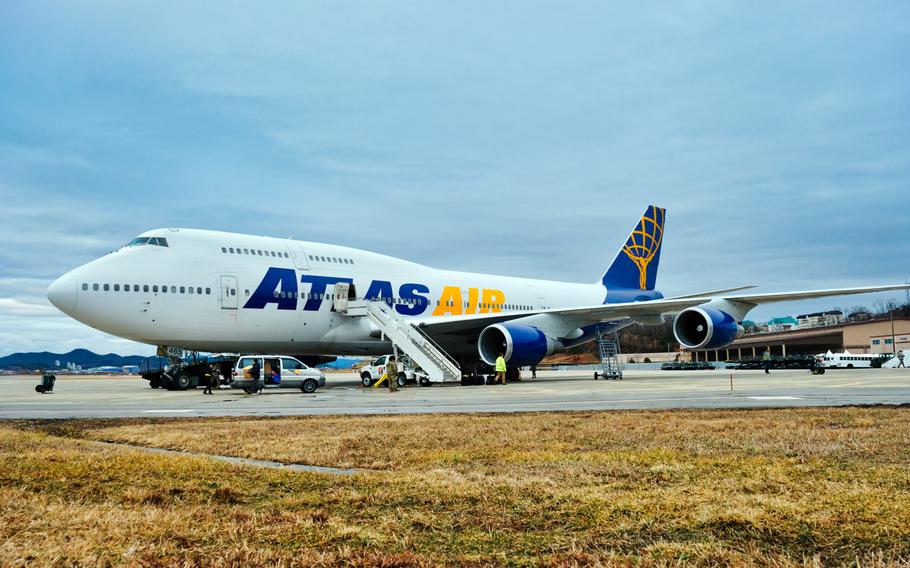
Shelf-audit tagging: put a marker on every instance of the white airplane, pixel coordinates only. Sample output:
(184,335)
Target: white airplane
(227,292)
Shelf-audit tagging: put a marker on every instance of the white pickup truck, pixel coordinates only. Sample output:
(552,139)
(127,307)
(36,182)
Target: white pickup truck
(408,372)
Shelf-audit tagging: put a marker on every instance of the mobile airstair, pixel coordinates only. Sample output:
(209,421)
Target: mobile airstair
(610,360)
(439,365)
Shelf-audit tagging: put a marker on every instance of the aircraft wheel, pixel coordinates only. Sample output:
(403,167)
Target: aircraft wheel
(309,386)
(366,380)
(39,388)
(155,383)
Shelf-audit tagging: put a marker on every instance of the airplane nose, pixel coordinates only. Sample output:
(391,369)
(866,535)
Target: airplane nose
(62,293)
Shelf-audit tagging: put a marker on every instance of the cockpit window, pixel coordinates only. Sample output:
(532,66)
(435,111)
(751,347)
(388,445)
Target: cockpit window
(139,241)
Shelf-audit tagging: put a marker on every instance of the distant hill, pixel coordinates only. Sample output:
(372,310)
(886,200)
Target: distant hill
(84,357)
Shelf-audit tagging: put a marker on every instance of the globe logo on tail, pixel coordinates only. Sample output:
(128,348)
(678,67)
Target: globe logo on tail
(644,242)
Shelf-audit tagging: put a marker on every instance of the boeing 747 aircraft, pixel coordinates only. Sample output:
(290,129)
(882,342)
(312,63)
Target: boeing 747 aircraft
(227,292)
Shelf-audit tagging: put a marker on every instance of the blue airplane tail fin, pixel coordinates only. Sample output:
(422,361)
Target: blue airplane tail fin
(635,266)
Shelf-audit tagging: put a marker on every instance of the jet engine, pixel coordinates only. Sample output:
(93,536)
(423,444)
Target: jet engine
(521,345)
(705,328)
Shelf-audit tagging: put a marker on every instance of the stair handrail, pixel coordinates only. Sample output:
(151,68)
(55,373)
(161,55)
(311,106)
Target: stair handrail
(386,310)
(438,347)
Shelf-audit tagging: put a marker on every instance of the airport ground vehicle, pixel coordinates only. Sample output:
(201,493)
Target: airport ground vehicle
(47,384)
(408,372)
(812,363)
(277,371)
(189,372)
(686,366)
(847,360)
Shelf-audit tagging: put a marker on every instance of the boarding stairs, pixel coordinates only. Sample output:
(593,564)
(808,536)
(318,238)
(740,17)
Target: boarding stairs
(610,355)
(438,364)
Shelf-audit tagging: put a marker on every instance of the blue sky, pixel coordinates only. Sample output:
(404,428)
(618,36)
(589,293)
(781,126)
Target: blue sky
(521,138)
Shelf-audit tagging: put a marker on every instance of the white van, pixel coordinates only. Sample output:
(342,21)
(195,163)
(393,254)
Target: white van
(277,371)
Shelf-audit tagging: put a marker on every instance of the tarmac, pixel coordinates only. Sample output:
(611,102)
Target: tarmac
(107,397)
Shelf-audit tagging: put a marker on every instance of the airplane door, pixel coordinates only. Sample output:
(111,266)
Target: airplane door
(228,292)
(341,296)
(541,302)
(299,255)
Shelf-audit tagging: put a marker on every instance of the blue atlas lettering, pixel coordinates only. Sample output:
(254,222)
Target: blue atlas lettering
(418,304)
(380,290)
(278,286)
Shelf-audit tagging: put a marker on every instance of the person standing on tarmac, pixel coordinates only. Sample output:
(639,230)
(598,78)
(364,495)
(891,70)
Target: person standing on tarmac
(254,374)
(766,361)
(209,382)
(900,360)
(500,369)
(391,371)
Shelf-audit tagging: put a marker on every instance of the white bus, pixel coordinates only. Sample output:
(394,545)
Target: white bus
(847,360)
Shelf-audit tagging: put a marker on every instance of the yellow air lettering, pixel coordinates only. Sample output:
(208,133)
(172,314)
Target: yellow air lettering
(472,301)
(449,302)
(492,301)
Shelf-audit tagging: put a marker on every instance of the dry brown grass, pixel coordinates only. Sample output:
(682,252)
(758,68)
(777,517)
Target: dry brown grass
(766,487)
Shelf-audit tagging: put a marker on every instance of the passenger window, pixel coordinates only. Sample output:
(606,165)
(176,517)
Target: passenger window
(232,250)
(259,252)
(233,291)
(164,289)
(190,290)
(246,251)
(208,291)
(223,250)
(155,288)
(183,289)
(198,289)
(107,287)
(135,287)
(85,287)
(126,287)
(116,287)
(145,287)
(95,287)
(311,257)
(173,289)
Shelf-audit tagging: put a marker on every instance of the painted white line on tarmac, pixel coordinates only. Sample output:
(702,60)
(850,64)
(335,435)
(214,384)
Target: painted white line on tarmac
(172,410)
(775,397)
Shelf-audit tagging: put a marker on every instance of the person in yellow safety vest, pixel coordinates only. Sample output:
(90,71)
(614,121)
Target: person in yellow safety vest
(500,369)
(391,371)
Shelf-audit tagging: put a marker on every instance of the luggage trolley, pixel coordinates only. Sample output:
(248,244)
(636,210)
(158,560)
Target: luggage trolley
(610,363)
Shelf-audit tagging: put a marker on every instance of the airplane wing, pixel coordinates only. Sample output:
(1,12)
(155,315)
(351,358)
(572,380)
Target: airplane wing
(608,312)
(592,314)
(756,299)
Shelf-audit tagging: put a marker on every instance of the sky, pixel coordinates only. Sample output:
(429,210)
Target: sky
(520,138)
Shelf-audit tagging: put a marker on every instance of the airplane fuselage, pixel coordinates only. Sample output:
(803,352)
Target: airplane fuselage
(226,292)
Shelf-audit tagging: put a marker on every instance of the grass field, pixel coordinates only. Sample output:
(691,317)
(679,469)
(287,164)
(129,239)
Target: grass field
(761,487)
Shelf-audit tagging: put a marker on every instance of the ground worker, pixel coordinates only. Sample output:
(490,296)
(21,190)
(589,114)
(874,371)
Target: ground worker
(500,369)
(900,359)
(766,361)
(391,371)
(254,374)
(209,382)
(533,371)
